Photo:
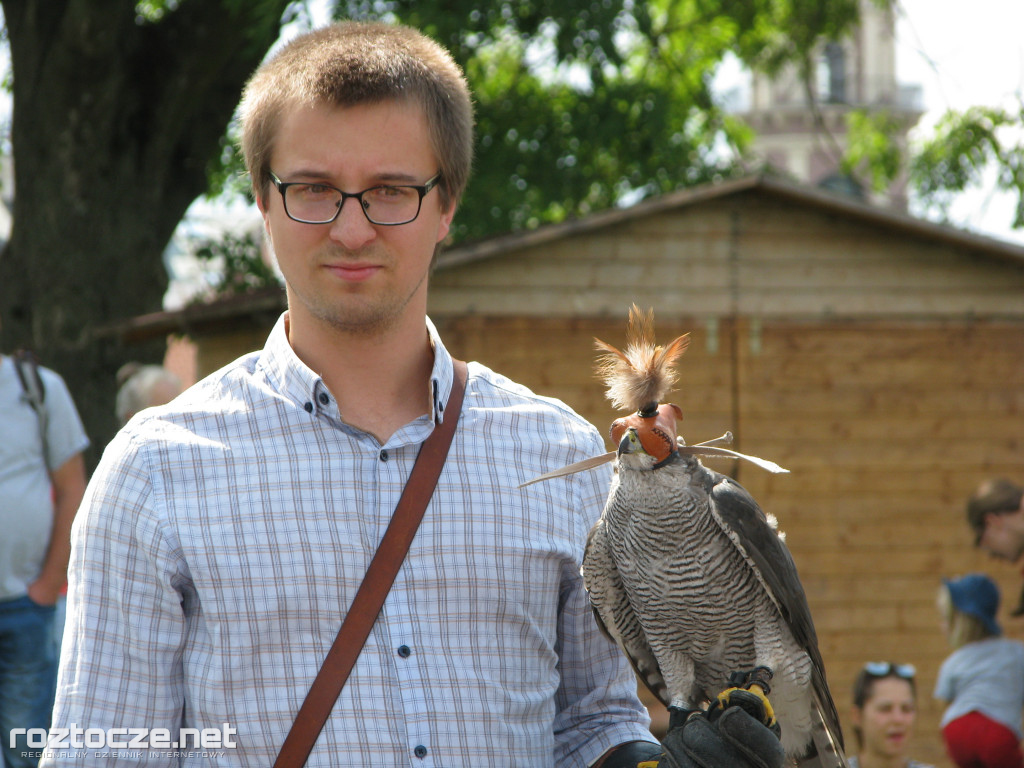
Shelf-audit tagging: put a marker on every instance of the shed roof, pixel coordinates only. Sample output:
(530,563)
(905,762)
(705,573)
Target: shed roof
(798,193)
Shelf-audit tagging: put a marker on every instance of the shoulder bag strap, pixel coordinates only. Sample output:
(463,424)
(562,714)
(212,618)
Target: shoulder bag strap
(34,392)
(376,584)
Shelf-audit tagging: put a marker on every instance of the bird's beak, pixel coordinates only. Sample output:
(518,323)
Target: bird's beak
(629,442)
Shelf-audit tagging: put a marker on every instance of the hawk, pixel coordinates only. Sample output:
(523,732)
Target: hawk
(689,576)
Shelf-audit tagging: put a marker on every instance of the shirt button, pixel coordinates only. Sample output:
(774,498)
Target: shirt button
(323,398)
(308,407)
(384,454)
(404,651)
(420,751)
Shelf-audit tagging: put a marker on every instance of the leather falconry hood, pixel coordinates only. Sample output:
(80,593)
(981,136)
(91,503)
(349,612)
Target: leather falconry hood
(655,427)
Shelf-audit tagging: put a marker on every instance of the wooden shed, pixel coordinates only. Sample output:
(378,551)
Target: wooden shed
(878,357)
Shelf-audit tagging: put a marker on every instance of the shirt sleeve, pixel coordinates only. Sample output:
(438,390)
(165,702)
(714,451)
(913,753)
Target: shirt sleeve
(944,682)
(65,435)
(127,619)
(598,706)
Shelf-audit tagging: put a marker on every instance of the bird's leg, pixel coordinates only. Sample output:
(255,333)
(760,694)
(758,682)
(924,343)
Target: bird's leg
(749,690)
(758,676)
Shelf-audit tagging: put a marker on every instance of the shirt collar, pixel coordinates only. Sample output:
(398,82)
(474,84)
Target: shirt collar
(442,377)
(292,378)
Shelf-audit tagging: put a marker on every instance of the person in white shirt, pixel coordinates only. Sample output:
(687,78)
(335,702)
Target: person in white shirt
(42,479)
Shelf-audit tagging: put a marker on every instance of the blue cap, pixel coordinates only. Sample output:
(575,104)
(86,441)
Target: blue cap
(976,595)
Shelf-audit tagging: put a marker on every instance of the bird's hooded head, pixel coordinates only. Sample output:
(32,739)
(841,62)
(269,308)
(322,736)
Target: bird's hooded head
(637,379)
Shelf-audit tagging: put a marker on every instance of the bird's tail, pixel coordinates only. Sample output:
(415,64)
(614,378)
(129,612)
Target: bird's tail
(827,741)
(639,377)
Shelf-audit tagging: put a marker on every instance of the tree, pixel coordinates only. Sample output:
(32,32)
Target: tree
(119,113)
(953,159)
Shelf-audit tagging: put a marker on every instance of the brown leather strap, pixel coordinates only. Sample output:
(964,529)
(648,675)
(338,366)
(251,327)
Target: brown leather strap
(376,584)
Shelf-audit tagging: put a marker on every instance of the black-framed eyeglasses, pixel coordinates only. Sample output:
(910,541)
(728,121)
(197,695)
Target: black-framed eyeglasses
(887,668)
(387,205)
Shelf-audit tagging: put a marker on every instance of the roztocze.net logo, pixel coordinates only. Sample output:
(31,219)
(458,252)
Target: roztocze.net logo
(61,740)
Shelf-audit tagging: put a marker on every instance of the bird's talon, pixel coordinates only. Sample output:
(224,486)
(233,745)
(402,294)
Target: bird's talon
(762,694)
(725,699)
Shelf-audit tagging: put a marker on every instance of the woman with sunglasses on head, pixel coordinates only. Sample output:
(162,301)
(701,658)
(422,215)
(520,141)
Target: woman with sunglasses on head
(884,710)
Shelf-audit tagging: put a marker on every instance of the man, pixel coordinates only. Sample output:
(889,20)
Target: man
(42,479)
(143,386)
(995,512)
(224,535)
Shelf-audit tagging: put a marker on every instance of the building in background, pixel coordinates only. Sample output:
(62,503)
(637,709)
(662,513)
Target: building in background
(801,128)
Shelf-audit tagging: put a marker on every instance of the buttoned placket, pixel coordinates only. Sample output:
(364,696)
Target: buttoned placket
(390,467)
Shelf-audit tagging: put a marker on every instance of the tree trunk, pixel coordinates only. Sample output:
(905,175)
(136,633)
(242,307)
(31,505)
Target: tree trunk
(116,121)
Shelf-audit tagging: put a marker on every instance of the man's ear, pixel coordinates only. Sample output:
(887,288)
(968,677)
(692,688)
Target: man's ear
(445,224)
(261,205)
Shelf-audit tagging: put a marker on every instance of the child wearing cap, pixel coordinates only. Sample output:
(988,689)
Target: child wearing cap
(983,679)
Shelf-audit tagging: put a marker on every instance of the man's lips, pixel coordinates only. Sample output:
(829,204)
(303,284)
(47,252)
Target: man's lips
(354,273)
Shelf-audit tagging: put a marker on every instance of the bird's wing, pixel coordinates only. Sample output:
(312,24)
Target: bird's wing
(614,613)
(758,541)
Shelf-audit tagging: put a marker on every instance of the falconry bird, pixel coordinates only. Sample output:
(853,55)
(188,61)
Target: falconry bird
(689,576)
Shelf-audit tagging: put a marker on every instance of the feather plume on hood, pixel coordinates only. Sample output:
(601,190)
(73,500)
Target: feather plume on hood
(640,377)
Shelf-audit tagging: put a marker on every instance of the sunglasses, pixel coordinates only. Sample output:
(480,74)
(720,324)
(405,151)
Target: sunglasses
(887,668)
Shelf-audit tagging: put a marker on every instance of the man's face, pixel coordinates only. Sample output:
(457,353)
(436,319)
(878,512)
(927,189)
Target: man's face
(350,275)
(1002,536)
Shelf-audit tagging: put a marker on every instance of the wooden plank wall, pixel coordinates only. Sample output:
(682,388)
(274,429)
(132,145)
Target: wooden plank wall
(886,428)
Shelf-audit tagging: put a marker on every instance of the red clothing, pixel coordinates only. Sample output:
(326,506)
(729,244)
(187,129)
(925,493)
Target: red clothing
(976,741)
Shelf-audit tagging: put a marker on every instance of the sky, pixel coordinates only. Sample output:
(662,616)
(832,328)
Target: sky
(965,54)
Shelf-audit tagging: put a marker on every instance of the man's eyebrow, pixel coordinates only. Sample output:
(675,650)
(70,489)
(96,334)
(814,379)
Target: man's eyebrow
(397,177)
(308,175)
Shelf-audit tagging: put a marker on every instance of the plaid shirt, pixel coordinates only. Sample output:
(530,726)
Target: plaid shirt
(222,539)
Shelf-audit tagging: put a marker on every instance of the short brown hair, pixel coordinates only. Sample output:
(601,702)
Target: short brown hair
(996,497)
(353,63)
